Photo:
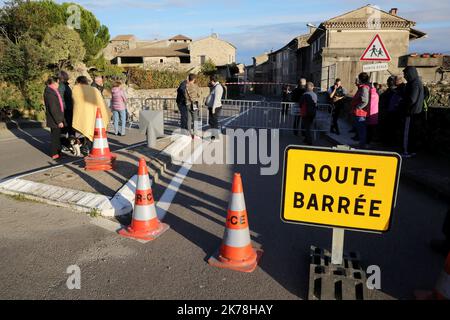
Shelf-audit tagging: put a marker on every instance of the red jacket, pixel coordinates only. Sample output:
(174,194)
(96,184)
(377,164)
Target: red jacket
(361,101)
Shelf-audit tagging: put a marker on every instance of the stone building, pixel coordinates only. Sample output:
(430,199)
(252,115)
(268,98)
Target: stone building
(178,53)
(337,45)
(283,64)
(432,68)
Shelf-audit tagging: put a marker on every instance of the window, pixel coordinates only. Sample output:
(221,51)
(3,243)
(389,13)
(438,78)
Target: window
(202,60)
(161,60)
(132,60)
(185,59)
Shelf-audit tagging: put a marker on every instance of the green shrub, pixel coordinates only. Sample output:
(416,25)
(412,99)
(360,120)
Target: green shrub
(10,97)
(209,68)
(162,79)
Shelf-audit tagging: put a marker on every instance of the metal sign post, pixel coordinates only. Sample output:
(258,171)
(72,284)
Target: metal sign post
(337,246)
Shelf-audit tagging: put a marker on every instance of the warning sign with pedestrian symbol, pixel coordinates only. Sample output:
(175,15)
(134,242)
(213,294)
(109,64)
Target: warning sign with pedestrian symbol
(376,51)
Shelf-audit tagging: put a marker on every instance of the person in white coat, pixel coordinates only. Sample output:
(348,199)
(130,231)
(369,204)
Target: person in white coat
(214,104)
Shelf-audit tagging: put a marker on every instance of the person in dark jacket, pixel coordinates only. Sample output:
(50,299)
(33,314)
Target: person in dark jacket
(54,114)
(337,95)
(182,103)
(443,245)
(308,106)
(285,99)
(386,115)
(98,84)
(297,94)
(412,107)
(66,93)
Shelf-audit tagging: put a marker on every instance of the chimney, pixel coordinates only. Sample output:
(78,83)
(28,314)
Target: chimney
(393,11)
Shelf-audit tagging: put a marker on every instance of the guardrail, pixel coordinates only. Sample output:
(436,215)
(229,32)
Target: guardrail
(238,113)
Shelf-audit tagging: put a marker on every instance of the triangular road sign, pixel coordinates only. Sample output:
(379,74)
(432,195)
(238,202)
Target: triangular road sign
(376,51)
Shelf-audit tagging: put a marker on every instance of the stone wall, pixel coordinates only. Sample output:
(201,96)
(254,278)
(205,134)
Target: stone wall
(137,99)
(160,93)
(440,94)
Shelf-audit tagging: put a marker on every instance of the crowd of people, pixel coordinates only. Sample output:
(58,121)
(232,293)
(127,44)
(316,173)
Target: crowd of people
(391,116)
(70,114)
(188,101)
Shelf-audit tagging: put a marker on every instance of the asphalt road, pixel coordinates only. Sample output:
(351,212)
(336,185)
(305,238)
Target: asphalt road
(28,149)
(39,242)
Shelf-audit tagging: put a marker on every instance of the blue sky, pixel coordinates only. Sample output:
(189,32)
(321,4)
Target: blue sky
(256,26)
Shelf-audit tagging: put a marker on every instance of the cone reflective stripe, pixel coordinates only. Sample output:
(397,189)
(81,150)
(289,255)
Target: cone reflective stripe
(144,224)
(100,157)
(100,147)
(236,251)
(101,144)
(442,290)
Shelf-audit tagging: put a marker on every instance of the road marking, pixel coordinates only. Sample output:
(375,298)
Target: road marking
(234,118)
(169,194)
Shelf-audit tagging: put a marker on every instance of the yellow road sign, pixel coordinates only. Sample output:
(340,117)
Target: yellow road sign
(340,188)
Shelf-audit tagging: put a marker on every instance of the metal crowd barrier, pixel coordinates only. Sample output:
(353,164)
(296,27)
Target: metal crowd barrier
(272,115)
(235,113)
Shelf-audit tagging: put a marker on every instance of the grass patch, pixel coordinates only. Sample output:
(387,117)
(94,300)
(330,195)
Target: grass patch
(20,198)
(94,213)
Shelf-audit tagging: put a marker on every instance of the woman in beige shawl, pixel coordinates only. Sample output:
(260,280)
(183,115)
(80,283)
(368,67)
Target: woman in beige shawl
(86,100)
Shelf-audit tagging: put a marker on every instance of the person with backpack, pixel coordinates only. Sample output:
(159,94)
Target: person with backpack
(308,110)
(412,107)
(181,103)
(214,104)
(360,108)
(192,97)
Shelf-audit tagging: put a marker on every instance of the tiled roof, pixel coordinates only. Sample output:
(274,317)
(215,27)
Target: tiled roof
(123,37)
(180,37)
(159,49)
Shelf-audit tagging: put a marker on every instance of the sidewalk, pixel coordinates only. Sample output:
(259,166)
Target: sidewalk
(425,170)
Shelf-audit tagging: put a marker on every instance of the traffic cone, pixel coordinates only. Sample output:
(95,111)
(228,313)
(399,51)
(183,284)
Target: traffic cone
(236,251)
(144,224)
(100,158)
(442,290)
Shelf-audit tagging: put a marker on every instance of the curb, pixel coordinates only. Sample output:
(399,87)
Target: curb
(120,204)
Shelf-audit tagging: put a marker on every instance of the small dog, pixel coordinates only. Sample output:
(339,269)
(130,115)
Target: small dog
(72,145)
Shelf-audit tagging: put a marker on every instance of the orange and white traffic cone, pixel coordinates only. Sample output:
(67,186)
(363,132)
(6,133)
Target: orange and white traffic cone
(442,289)
(100,158)
(236,251)
(144,224)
